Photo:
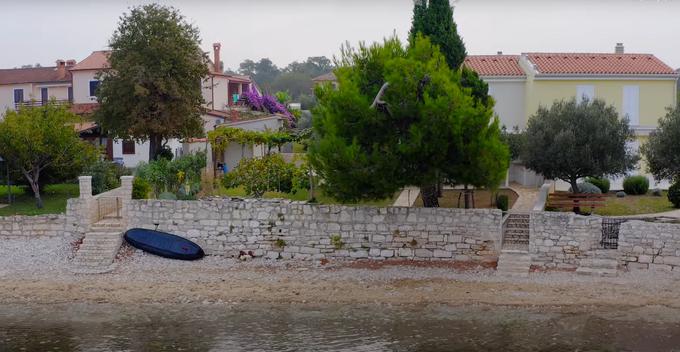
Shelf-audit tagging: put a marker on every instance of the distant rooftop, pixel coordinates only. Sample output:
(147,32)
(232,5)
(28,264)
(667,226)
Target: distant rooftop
(34,75)
(328,77)
(495,65)
(598,64)
(96,61)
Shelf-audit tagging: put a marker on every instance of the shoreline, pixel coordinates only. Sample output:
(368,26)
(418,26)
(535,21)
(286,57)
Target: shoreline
(36,271)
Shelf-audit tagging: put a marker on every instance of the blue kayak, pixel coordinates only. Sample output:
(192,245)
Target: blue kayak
(164,244)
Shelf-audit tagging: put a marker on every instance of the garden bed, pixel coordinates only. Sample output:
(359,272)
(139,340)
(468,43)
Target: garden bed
(303,195)
(482,198)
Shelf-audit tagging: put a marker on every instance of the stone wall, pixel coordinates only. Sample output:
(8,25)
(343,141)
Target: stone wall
(295,230)
(561,240)
(52,225)
(647,245)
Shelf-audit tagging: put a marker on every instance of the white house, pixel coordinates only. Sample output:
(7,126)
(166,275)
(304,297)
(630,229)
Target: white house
(35,85)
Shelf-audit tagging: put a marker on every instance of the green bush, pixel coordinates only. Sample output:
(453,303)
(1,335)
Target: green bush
(105,175)
(600,182)
(167,196)
(260,175)
(636,185)
(140,188)
(674,194)
(587,188)
(502,202)
(181,175)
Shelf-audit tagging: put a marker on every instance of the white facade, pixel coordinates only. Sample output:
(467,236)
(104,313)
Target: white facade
(508,95)
(81,86)
(31,91)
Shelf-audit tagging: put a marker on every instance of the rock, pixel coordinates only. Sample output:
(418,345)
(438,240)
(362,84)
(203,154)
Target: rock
(620,194)
(657,192)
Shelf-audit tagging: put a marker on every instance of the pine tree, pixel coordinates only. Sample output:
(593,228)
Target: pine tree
(434,18)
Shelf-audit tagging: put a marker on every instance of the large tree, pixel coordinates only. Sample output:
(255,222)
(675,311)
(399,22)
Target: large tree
(571,140)
(40,142)
(400,117)
(662,150)
(434,19)
(153,89)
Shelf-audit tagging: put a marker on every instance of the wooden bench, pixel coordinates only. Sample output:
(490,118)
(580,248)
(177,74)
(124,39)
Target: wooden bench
(581,200)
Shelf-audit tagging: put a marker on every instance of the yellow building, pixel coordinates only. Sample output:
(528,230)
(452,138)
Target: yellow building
(639,86)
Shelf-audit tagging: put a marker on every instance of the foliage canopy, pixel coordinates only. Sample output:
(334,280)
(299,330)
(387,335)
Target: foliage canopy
(662,150)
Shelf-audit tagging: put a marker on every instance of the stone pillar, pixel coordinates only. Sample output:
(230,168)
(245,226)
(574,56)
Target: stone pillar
(126,186)
(85,183)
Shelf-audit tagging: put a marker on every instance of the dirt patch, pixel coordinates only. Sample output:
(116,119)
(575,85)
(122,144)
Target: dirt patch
(455,265)
(452,198)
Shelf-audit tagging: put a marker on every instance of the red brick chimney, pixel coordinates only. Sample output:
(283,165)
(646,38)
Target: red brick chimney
(216,58)
(61,68)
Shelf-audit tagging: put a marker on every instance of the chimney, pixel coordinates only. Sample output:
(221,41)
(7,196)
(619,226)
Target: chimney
(619,48)
(499,53)
(61,68)
(70,63)
(216,59)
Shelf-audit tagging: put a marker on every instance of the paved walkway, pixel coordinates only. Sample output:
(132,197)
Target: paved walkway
(407,197)
(667,214)
(527,197)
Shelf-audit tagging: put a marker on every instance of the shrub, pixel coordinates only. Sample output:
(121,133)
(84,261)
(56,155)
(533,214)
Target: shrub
(587,188)
(674,194)
(600,182)
(105,175)
(636,185)
(181,175)
(140,188)
(502,202)
(260,175)
(167,196)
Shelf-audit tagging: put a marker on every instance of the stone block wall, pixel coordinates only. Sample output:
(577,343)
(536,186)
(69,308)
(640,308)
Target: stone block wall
(52,225)
(295,230)
(561,240)
(647,245)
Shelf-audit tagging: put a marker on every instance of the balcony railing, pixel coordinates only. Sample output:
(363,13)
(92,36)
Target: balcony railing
(33,103)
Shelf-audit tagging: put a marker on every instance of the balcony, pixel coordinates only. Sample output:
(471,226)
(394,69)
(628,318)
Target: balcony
(36,103)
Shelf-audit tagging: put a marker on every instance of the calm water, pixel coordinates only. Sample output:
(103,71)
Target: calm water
(327,328)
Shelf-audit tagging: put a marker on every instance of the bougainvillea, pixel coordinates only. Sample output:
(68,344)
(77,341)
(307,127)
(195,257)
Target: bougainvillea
(266,103)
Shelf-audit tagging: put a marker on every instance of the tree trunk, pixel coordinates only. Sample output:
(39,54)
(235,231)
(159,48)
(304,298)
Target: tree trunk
(429,195)
(155,145)
(467,196)
(575,190)
(35,186)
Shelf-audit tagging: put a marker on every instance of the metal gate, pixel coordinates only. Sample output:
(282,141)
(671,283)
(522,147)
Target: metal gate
(109,208)
(610,232)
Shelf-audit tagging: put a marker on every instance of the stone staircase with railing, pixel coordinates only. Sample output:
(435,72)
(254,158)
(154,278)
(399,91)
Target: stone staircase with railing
(515,259)
(100,247)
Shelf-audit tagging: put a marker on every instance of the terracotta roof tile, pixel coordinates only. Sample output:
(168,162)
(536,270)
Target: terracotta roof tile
(96,61)
(83,109)
(33,75)
(598,64)
(495,65)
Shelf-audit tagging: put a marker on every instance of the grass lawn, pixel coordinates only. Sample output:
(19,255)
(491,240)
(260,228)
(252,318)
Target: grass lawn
(54,200)
(635,205)
(483,199)
(302,196)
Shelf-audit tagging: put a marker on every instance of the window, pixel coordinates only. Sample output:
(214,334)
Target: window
(631,104)
(70,94)
(44,96)
(18,96)
(128,147)
(94,85)
(585,92)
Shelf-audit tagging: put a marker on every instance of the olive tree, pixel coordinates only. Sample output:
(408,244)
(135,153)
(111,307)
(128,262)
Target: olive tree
(662,150)
(571,140)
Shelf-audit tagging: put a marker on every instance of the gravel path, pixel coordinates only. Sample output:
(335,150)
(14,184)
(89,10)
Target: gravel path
(37,271)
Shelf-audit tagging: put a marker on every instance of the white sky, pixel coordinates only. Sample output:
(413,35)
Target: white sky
(287,30)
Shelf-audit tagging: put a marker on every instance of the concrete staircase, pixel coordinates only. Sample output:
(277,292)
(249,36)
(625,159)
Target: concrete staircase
(515,259)
(99,247)
(604,265)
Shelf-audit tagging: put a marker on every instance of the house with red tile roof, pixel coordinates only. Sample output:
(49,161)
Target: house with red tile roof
(35,85)
(639,86)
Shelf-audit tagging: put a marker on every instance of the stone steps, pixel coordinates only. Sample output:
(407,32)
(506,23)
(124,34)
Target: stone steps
(516,232)
(99,248)
(514,263)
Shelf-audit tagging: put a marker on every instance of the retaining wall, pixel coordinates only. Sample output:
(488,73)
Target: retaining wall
(647,245)
(52,225)
(295,230)
(561,240)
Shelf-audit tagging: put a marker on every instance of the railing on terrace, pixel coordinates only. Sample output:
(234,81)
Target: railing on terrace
(35,103)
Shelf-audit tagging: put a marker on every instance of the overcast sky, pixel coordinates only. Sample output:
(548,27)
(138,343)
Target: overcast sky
(287,30)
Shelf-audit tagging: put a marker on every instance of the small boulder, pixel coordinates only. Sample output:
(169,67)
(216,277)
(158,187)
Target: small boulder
(620,194)
(657,192)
